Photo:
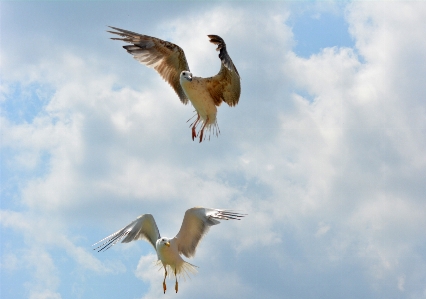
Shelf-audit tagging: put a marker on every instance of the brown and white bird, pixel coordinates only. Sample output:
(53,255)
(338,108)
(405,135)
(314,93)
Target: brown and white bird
(170,62)
(195,225)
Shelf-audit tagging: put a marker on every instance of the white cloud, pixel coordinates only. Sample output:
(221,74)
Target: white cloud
(148,271)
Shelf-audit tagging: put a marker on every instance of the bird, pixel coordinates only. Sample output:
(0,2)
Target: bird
(195,225)
(170,62)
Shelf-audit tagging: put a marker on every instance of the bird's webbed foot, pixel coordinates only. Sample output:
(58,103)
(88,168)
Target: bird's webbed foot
(164,281)
(201,135)
(194,125)
(194,134)
(202,129)
(176,285)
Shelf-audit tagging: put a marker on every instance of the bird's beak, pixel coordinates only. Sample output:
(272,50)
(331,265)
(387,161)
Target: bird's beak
(167,244)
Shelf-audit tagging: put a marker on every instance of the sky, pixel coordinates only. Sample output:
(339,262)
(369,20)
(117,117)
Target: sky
(325,151)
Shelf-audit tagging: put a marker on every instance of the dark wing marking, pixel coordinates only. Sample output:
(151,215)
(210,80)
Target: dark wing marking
(225,86)
(166,58)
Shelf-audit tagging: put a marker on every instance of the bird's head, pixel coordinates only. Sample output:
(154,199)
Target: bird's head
(163,242)
(186,75)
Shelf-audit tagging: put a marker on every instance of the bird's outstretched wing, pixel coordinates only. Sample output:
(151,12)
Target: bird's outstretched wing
(195,225)
(225,86)
(166,58)
(144,227)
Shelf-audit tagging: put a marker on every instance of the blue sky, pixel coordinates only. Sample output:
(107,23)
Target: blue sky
(324,152)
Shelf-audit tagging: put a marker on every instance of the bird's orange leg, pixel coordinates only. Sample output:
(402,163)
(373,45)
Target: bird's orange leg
(194,134)
(176,285)
(164,281)
(202,129)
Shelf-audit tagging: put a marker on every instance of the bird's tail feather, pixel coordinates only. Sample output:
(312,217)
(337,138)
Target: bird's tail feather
(211,128)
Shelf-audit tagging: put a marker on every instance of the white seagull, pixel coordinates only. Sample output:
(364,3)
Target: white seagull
(195,225)
(169,61)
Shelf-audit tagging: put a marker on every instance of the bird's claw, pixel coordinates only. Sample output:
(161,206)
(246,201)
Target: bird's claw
(164,287)
(176,287)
